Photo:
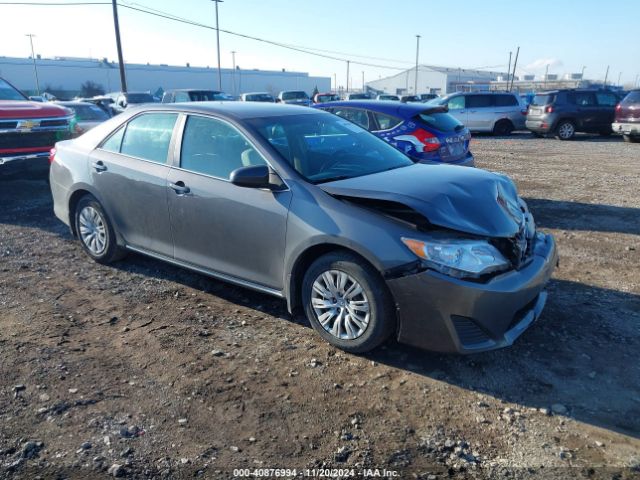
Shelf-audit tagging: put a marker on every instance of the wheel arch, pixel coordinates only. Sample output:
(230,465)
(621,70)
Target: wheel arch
(80,191)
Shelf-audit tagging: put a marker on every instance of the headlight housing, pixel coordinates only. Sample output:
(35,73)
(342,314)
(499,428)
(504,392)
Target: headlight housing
(460,258)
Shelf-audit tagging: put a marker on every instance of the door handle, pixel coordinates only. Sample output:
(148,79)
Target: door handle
(99,166)
(179,187)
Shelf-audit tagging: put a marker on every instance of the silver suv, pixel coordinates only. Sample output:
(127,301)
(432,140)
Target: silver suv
(499,113)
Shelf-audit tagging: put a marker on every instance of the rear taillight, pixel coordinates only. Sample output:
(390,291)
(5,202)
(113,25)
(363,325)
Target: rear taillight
(548,109)
(524,111)
(618,107)
(52,156)
(428,140)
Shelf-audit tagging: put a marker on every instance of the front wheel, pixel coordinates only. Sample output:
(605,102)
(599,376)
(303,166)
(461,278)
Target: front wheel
(565,130)
(95,231)
(347,302)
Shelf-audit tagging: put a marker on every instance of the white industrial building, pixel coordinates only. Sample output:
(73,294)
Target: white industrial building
(433,79)
(68,74)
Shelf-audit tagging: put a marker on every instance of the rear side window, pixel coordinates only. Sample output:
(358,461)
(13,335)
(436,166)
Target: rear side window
(359,117)
(148,136)
(582,99)
(386,122)
(112,144)
(506,101)
(607,99)
(441,121)
(479,101)
(544,99)
(215,148)
(633,97)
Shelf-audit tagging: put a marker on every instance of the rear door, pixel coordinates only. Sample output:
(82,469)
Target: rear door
(130,170)
(587,110)
(480,112)
(217,225)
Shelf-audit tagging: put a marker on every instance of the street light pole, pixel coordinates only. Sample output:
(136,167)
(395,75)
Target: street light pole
(348,64)
(415,84)
(218,45)
(233,77)
(606,76)
(116,25)
(35,67)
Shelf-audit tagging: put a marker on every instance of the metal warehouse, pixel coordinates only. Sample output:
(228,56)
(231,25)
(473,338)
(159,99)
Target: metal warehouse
(433,79)
(63,74)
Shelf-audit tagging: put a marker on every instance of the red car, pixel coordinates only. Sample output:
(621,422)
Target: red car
(627,120)
(29,130)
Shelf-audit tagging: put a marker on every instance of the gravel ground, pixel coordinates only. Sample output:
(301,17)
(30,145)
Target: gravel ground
(143,370)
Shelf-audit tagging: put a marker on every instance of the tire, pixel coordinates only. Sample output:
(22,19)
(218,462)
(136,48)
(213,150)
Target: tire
(565,130)
(537,135)
(360,330)
(95,231)
(503,127)
(605,133)
(631,139)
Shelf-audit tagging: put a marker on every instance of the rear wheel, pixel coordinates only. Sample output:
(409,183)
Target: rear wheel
(565,130)
(95,231)
(503,127)
(347,302)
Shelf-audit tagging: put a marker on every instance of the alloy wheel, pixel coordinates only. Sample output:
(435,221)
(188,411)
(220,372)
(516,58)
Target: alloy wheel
(92,229)
(340,304)
(566,130)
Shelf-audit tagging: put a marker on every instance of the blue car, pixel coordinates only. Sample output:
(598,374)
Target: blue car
(425,133)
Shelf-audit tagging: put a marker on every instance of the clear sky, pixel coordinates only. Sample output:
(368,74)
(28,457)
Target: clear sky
(564,34)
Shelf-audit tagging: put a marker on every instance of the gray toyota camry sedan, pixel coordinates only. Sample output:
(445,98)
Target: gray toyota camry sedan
(306,206)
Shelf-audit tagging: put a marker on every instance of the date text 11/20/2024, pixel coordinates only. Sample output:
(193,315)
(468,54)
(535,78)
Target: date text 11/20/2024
(315,473)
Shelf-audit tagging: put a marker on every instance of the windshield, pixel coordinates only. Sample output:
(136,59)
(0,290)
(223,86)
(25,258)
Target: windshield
(89,113)
(633,97)
(323,147)
(7,92)
(259,97)
(294,96)
(207,96)
(139,98)
(541,100)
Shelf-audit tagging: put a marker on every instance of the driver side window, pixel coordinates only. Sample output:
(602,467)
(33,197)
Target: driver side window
(456,103)
(213,147)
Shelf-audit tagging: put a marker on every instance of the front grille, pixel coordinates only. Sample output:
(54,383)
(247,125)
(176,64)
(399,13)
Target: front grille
(32,139)
(8,125)
(468,332)
(520,314)
(519,248)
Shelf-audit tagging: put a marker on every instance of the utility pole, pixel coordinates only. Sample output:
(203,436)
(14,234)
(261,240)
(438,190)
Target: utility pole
(116,24)
(546,72)
(635,84)
(606,76)
(619,75)
(363,81)
(233,77)
(348,64)
(35,67)
(582,74)
(415,85)
(515,64)
(509,71)
(335,81)
(218,45)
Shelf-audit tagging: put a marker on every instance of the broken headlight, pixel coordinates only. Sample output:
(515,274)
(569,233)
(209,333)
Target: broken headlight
(459,257)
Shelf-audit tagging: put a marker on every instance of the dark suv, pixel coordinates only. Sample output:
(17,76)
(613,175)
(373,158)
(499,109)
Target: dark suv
(565,112)
(627,120)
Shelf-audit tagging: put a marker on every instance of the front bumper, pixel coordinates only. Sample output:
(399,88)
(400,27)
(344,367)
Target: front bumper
(626,128)
(34,163)
(444,314)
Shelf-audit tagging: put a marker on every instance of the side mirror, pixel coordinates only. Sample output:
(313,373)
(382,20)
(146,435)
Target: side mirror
(255,176)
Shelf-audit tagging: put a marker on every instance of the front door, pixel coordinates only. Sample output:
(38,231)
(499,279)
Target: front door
(217,225)
(457,108)
(130,171)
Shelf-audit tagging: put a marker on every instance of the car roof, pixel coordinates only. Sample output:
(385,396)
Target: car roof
(404,110)
(192,90)
(236,110)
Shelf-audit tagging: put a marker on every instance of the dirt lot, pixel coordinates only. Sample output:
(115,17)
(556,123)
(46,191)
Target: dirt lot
(169,374)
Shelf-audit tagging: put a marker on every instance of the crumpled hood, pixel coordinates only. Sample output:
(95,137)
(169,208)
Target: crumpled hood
(12,109)
(458,198)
